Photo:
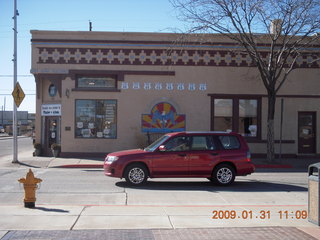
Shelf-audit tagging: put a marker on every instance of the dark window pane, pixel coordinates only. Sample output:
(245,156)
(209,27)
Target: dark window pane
(177,144)
(248,117)
(223,114)
(97,82)
(199,143)
(229,142)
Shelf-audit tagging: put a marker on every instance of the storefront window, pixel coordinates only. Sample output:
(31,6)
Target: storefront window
(237,115)
(96,82)
(96,119)
(248,117)
(223,114)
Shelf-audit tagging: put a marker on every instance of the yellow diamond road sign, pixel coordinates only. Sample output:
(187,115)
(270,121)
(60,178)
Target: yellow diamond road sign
(18,94)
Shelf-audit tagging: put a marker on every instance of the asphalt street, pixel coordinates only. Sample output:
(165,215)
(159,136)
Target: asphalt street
(91,187)
(6,145)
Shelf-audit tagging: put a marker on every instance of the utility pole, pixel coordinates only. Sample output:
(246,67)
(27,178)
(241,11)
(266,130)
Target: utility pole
(14,123)
(3,110)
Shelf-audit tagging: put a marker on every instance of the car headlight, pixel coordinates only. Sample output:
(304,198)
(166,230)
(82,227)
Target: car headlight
(112,158)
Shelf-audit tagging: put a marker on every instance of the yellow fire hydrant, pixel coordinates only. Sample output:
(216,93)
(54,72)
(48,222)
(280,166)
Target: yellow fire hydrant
(30,186)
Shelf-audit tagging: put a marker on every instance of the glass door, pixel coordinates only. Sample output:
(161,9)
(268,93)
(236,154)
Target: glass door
(306,133)
(52,133)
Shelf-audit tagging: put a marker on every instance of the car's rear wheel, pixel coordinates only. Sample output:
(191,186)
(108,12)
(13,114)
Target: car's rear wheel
(136,174)
(223,175)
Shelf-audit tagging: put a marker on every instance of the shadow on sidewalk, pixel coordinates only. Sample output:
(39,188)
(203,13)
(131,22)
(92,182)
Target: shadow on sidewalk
(51,210)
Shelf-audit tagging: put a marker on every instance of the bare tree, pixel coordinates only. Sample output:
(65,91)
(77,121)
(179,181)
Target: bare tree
(285,28)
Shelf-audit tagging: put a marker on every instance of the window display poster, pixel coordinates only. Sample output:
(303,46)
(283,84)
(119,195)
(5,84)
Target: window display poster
(96,118)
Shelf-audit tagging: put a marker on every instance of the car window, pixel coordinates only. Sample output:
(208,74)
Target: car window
(156,143)
(229,142)
(180,143)
(202,143)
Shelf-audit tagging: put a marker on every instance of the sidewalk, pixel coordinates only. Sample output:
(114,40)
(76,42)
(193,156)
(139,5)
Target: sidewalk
(65,222)
(249,233)
(154,222)
(28,160)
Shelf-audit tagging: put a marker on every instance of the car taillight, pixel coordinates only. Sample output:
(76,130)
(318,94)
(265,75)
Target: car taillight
(248,157)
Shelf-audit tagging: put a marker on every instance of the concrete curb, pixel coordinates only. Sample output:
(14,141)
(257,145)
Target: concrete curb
(273,166)
(80,166)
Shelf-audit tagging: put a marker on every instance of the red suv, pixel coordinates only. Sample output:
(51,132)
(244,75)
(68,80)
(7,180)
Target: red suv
(218,156)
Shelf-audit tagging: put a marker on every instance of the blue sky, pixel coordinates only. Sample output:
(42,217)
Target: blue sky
(70,15)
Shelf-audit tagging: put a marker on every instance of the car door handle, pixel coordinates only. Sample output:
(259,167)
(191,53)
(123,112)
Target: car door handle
(214,154)
(182,154)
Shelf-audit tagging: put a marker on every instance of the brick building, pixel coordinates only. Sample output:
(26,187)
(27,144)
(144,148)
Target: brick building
(99,92)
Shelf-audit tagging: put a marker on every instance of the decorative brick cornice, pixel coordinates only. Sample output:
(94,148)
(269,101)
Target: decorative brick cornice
(146,56)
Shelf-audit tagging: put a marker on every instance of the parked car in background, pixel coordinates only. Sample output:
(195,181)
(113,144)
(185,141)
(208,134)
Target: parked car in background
(1,129)
(218,156)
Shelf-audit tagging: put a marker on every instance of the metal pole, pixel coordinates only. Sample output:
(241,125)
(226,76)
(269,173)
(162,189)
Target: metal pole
(14,124)
(4,109)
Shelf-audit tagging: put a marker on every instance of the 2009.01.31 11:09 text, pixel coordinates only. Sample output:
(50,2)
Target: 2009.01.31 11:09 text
(262,214)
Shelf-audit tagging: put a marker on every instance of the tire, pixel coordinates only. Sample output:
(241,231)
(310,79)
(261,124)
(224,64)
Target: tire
(223,175)
(136,174)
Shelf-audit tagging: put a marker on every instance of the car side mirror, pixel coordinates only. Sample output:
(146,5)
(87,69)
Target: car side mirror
(162,148)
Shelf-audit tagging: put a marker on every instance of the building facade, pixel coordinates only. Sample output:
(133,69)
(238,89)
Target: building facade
(99,92)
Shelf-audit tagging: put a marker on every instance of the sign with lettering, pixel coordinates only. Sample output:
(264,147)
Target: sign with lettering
(51,110)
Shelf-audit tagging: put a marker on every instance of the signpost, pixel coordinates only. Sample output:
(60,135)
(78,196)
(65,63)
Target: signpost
(16,92)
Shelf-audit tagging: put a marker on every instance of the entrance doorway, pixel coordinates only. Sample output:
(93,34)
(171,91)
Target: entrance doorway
(52,133)
(307,132)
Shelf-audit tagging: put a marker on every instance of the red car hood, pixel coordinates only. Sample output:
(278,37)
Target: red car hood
(127,152)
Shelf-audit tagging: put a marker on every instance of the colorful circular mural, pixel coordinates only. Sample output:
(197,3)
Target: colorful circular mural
(163,118)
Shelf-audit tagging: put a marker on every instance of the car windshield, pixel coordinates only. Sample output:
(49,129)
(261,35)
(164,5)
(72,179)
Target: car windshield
(153,146)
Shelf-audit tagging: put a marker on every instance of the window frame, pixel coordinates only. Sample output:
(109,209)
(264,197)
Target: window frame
(74,74)
(97,76)
(110,89)
(235,112)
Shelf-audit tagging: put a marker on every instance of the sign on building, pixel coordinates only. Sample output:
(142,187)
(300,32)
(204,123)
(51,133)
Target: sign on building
(51,110)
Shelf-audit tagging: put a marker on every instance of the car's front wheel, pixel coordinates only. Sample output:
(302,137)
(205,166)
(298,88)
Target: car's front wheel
(136,174)
(223,174)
